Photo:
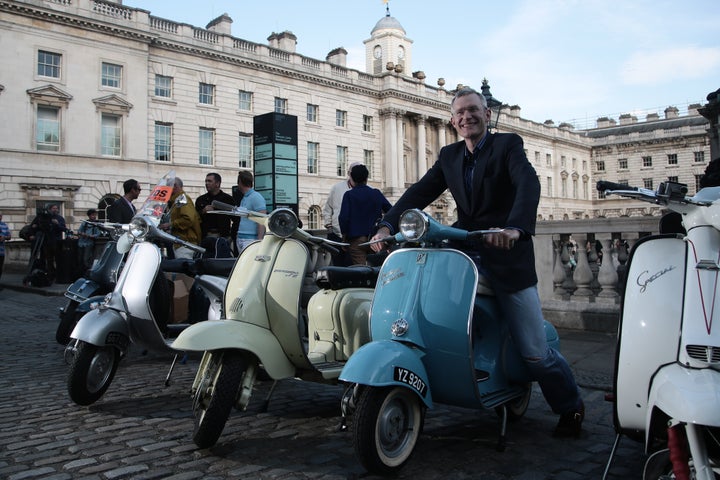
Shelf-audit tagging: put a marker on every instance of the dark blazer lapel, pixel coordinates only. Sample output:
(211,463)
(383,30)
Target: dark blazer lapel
(456,180)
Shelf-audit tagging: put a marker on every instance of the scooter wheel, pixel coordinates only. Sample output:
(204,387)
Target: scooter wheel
(91,372)
(386,428)
(215,396)
(516,408)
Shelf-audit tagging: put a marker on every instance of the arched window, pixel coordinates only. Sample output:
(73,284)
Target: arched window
(103,206)
(314,217)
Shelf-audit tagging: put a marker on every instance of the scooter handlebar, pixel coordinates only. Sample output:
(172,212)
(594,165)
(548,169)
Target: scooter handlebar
(604,185)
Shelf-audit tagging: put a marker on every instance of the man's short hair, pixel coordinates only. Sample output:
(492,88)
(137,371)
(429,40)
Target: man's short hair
(469,91)
(216,177)
(359,174)
(128,185)
(245,178)
(91,211)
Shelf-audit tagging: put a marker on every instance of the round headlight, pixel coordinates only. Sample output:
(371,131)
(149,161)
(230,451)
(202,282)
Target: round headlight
(282,222)
(413,225)
(138,228)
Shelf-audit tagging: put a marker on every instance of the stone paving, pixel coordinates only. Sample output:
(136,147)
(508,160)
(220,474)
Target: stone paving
(141,429)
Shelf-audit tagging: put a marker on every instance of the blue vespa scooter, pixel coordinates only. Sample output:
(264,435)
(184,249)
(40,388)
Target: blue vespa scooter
(437,336)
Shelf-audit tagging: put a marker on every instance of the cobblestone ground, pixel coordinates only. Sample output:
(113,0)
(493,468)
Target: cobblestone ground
(141,429)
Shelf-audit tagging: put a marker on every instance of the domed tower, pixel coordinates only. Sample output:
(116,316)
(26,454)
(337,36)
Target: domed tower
(388,44)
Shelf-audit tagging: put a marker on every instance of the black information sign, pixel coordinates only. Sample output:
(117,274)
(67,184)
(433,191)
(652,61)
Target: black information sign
(276,160)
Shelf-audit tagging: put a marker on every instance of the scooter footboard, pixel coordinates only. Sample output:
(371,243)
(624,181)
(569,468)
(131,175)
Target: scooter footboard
(385,362)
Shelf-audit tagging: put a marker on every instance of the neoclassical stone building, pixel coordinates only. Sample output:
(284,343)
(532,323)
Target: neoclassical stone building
(93,93)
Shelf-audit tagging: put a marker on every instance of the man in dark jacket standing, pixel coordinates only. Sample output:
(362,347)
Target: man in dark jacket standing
(361,207)
(495,186)
(123,210)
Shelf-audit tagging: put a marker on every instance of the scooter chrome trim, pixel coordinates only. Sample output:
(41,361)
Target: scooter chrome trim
(385,356)
(690,396)
(102,327)
(234,335)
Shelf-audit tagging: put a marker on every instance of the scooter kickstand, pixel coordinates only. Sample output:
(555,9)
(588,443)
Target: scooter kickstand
(612,455)
(172,367)
(502,442)
(266,403)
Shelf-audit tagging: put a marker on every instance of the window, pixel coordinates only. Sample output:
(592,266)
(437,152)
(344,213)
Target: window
(648,183)
(549,192)
(47,130)
(110,134)
(48,64)
(245,149)
(548,160)
(367,123)
(563,187)
(584,165)
(340,118)
(575,188)
(163,86)
(537,157)
(563,161)
(623,181)
(574,163)
(163,142)
(341,161)
(697,182)
(312,113)
(314,217)
(368,161)
(111,75)
(206,143)
(206,94)
(245,100)
(313,148)
(672,159)
(280,105)
(699,156)
(673,178)
(622,164)
(586,195)
(647,161)
(600,165)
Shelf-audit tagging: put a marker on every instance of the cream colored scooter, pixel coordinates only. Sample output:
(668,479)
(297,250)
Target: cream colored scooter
(270,295)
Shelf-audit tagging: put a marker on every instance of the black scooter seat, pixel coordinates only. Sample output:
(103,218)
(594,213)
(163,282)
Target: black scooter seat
(337,278)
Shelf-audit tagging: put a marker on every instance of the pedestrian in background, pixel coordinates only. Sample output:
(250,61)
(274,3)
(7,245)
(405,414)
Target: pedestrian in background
(4,236)
(249,231)
(331,212)
(218,231)
(362,207)
(123,210)
(184,221)
(88,233)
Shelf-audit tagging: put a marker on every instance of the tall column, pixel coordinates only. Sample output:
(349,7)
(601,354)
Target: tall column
(399,159)
(420,166)
(442,138)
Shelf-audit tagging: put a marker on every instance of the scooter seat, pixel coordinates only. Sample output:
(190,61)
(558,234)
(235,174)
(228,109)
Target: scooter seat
(337,278)
(484,287)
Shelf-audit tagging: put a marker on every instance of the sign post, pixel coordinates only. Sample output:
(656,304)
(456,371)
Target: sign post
(276,160)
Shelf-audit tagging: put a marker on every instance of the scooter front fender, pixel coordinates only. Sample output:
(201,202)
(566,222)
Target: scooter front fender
(102,327)
(374,364)
(231,334)
(687,395)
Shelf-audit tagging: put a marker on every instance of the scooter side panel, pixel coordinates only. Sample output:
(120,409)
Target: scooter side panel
(375,363)
(231,334)
(688,395)
(649,325)
(433,290)
(96,326)
(144,263)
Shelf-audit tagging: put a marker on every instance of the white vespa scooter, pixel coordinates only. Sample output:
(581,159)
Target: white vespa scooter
(136,311)
(667,370)
(277,317)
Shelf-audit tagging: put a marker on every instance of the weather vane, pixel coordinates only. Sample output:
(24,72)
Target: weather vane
(387,7)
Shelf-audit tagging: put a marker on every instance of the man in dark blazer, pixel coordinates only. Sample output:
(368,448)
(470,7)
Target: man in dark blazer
(122,211)
(494,186)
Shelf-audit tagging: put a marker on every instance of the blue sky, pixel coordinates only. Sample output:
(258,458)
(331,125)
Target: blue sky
(565,60)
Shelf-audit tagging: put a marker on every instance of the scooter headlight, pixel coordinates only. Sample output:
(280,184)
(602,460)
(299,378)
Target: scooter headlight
(139,228)
(282,222)
(413,225)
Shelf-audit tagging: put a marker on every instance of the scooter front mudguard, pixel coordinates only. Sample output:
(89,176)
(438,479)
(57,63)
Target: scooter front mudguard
(231,334)
(687,395)
(102,327)
(386,362)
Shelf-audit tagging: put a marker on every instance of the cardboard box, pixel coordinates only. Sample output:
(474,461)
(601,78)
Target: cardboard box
(181,296)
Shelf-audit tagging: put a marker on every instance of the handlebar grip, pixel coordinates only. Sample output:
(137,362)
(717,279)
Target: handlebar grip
(603,185)
(223,206)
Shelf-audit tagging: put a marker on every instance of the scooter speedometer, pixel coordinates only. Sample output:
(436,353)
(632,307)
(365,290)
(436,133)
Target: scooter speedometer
(413,225)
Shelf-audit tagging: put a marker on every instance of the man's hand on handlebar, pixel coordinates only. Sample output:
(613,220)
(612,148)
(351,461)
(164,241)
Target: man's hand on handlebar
(503,240)
(380,234)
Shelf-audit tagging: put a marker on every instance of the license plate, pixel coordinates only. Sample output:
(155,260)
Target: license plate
(406,376)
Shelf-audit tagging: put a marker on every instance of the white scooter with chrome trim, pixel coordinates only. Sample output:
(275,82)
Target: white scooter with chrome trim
(278,317)
(667,370)
(137,310)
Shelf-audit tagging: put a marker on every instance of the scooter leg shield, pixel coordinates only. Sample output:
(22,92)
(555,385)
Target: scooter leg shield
(384,363)
(102,327)
(231,334)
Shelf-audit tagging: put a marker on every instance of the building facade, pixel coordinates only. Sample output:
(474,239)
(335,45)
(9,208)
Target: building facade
(93,93)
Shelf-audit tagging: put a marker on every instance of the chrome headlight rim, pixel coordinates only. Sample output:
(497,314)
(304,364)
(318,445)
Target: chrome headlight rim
(282,222)
(413,225)
(139,228)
